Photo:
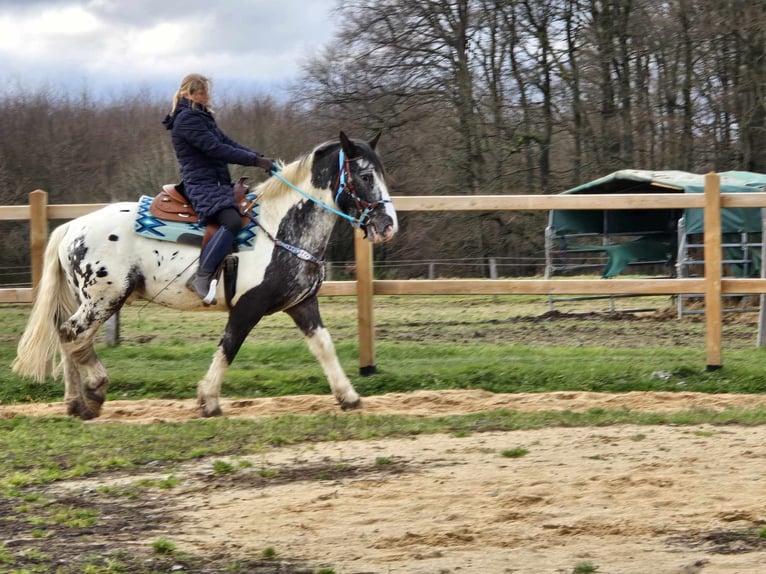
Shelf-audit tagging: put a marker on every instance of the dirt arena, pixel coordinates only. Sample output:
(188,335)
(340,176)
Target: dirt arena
(621,499)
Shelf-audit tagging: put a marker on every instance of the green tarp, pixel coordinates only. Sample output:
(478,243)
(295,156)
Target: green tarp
(620,255)
(657,227)
(638,221)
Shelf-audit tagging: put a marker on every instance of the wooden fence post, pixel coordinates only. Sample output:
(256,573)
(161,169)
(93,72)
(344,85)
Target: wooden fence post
(38,232)
(713,270)
(364,292)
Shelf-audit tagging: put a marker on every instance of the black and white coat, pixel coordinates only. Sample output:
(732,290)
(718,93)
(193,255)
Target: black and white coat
(94,263)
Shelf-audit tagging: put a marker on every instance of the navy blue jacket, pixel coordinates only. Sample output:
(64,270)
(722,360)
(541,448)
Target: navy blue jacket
(203,153)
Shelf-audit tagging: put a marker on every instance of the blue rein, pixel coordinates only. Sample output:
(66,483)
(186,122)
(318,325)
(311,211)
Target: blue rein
(341,187)
(365,207)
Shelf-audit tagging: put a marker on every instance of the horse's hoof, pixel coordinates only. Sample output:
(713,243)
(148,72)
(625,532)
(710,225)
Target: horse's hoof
(216,412)
(351,405)
(78,409)
(73,409)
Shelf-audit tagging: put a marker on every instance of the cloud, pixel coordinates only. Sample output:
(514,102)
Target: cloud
(155,43)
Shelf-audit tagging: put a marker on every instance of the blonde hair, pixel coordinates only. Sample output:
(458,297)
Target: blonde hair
(192,84)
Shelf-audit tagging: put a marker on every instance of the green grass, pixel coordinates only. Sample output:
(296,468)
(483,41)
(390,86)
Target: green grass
(37,451)
(162,546)
(517,452)
(421,343)
(584,568)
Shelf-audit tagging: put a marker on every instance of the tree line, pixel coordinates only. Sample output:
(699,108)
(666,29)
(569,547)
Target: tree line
(472,97)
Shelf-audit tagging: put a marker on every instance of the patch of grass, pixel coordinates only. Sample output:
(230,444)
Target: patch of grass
(584,568)
(383,461)
(65,516)
(517,452)
(268,552)
(163,546)
(223,467)
(267,472)
(34,555)
(164,484)
(107,566)
(169,482)
(131,492)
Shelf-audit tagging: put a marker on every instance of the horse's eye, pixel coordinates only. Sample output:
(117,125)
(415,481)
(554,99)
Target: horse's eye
(366,178)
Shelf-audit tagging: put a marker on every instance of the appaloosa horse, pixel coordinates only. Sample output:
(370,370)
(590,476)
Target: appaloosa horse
(94,263)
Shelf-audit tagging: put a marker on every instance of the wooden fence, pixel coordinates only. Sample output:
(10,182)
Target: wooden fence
(712,285)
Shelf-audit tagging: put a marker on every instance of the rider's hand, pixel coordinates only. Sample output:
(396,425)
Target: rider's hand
(265,163)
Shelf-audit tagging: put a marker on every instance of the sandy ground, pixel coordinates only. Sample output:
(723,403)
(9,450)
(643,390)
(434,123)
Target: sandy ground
(418,403)
(624,499)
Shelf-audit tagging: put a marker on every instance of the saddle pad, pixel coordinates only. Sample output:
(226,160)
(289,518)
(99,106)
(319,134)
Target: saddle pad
(181,232)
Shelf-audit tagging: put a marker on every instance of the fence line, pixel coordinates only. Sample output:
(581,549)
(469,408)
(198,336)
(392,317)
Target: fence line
(712,285)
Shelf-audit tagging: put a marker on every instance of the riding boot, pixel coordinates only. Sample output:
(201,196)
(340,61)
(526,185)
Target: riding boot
(216,249)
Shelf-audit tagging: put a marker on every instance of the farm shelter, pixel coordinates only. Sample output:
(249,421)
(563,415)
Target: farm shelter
(652,240)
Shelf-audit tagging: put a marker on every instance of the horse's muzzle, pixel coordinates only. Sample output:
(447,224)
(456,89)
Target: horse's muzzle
(386,233)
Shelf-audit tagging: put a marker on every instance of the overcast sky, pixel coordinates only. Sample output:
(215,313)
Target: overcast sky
(108,46)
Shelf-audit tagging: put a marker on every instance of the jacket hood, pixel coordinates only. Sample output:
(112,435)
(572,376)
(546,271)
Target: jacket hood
(168,121)
(183,104)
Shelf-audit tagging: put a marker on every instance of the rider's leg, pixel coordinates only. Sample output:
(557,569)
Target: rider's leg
(216,249)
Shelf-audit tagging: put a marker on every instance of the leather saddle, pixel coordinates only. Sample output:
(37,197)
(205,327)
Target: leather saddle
(171,204)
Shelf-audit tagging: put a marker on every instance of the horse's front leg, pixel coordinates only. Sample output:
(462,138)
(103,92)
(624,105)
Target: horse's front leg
(307,318)
(241,322)
(209,388)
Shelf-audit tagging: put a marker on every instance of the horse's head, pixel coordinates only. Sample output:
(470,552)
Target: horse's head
(354,171)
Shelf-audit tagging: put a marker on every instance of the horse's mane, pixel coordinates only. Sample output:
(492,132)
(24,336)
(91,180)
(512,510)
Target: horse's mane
(295,171)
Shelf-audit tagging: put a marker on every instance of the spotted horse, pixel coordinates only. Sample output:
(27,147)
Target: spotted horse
(96,263)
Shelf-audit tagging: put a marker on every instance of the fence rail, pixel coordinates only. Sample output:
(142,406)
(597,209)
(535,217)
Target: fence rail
(712,285)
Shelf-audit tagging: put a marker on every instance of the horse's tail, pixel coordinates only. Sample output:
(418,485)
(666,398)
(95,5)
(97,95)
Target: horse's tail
(38,349)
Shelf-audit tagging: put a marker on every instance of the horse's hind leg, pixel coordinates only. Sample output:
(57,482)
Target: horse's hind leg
(72,382)
(85,377)
(307,318)
(84,396)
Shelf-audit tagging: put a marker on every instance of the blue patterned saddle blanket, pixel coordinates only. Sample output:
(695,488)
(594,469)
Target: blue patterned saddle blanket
(186,233)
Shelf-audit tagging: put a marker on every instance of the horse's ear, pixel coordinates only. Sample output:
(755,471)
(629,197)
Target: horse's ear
(346,145)
(374,141)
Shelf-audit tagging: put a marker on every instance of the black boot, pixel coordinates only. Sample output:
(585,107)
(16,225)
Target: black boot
(216,249)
